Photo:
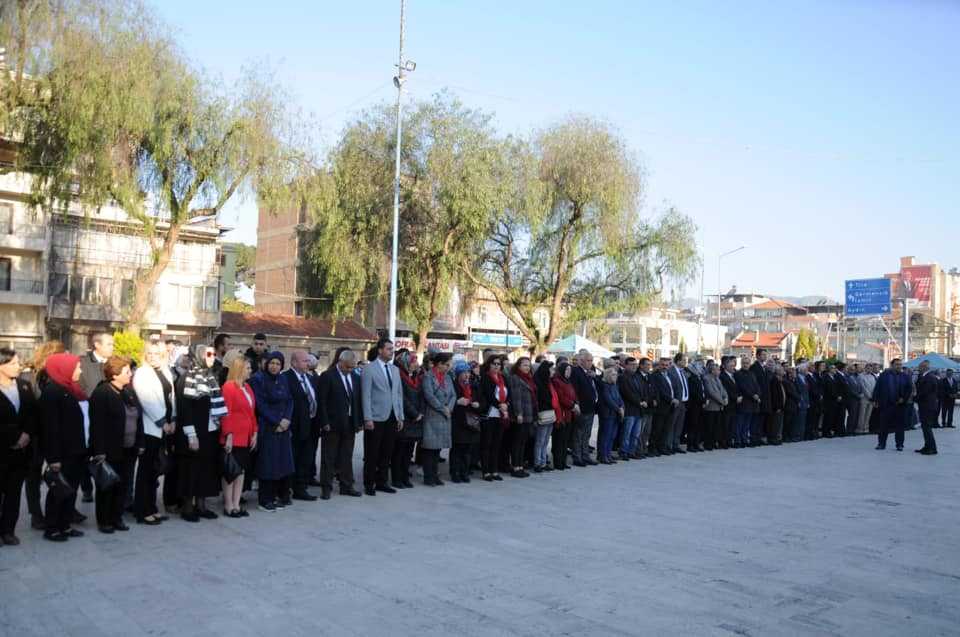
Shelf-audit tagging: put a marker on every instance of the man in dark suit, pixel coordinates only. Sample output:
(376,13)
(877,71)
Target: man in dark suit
(815,414)
(583,379)
(928,406)
(891,396)
(758,424)
(834,401)
(303,422)
(728,417)
(661,438)
(341,417)
(681,393)
(749,406)
(948,398)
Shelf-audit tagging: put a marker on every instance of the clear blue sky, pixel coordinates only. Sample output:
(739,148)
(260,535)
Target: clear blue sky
(822,135)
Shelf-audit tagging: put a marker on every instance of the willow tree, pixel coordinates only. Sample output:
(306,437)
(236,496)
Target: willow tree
(114,113)
(451,169)
(572,243)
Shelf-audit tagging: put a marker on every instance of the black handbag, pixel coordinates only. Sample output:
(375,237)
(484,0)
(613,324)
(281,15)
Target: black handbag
(162,463)
(104,475)
(472,421)
(58,484)
(231,468)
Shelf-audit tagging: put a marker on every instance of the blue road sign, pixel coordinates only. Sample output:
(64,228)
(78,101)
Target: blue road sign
(866,297)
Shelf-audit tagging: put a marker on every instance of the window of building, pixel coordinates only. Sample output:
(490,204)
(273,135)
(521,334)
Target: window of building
(183,296)
(6,218)
(616,334)
(298,308)
(197,293)
(127,291)
(632,333)
(674,337)
(211,300)
(88,292)
(59,286)
(654,335)
(6,271)
(105,291)
(482,314)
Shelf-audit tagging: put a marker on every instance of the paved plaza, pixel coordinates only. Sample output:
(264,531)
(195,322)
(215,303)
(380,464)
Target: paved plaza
(820,538)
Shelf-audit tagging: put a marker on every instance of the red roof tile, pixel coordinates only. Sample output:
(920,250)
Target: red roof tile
(766,339)
(286,325)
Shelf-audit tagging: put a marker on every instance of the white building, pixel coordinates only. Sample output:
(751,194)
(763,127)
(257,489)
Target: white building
(659,332)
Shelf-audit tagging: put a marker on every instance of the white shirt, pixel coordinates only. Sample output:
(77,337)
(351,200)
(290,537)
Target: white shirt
(13,395)
(386,370)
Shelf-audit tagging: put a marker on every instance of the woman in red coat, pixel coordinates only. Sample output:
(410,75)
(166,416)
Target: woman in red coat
(238,430)
(567,403)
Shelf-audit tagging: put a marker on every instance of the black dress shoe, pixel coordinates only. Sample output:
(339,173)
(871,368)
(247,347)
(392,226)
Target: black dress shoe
(370,491)
(120,526)
(899,448)
(465,479)
(880,447)
(207,514)
(577,463)
(928,452)
(488,478)
(437,482)
(78,518)
(306,497)
(38,523)
(105,529)
(10,539)
(325,494)
(920,450)
(678,450)
(55,536)
(386,488)
(190,517)
(407,484)
(149,521)
(314,483)
(73,533)
(497,477)
(455,480)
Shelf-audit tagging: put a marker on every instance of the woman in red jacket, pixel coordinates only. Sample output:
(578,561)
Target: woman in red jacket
(238,430)
(567,403)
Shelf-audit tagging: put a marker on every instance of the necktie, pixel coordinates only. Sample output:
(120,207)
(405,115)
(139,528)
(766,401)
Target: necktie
(310,396)
(349,387)
(386,370)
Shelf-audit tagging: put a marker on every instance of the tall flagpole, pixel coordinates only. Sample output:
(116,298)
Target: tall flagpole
(398,82)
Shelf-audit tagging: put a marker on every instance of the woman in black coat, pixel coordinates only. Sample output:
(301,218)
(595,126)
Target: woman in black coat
(411,375)
(64,444)
(466,422)
(116,437)
(18,428)
(494,410)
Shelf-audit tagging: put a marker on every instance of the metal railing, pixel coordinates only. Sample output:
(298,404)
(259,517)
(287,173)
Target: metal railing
(21,286)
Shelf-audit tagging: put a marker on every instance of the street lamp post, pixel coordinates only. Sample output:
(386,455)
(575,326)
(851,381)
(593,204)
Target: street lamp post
(719,346)
(398,80)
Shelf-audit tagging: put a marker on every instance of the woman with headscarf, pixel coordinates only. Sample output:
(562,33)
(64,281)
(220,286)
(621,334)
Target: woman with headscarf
(496,416)
(411,377)
(523,413)
(274,407)
(116,437)
(466,422)
(200,407)
(153,385)
(18,431)
(547,406)
(566,402)
(440,398)
(63,404)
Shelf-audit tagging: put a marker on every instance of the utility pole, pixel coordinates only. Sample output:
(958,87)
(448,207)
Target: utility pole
(398,80)
(906,329)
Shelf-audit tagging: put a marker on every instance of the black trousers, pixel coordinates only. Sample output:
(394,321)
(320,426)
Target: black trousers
(518,444)
(560,440)
(946,411)
(461,459)
(400,464)
(728,427)
(658,439)
(33,480)
(145,489)
(891,419)
(271,490)
(378,452)
(491,437)
(109,503)
(812,430)
(170,482)
(13,471)
(927,423)
(694,427)
(304,462)
(431,465)
(336,458)
(711,429)
(59,509)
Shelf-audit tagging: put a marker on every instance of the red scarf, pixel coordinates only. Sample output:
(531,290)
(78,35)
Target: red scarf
(501,386)
(60,368)
(467,389)
(441,377)
(528,379)
(413,382)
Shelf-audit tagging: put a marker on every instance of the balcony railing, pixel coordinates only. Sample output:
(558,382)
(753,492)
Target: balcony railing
(23,230)
(21,286)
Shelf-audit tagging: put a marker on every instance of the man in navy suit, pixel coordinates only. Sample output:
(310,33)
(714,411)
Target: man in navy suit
(303,423)
(341,417)
(891,396)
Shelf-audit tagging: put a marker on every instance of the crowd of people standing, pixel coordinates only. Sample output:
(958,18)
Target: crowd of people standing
(214,421)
